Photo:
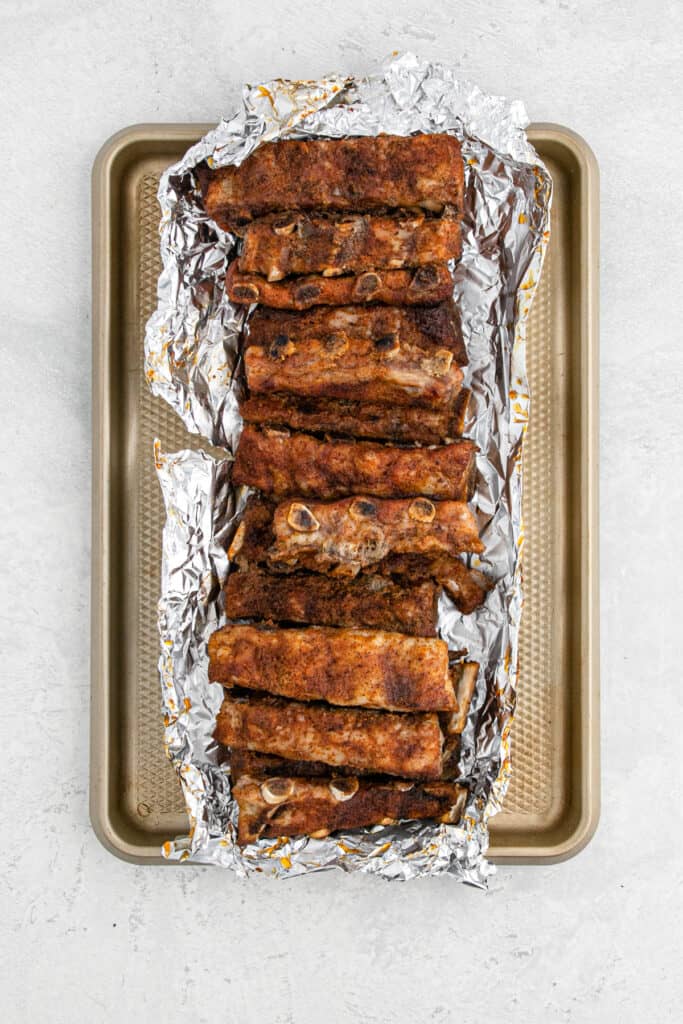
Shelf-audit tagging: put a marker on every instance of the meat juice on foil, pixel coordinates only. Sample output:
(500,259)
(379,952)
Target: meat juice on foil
(192,360)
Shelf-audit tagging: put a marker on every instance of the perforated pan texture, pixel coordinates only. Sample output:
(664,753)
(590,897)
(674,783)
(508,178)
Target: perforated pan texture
(551,806)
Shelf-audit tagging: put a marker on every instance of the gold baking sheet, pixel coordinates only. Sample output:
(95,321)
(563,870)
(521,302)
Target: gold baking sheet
(552,805)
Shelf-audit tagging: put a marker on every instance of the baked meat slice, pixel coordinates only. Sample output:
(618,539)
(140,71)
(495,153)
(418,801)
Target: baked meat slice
(357,174)
(405,744)
(298,243)
(345,667)
(374,602)
(426,285)
(282,464)
(289,806)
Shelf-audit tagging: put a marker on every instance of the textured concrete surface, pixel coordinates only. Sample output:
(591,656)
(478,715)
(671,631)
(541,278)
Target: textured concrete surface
(84,937)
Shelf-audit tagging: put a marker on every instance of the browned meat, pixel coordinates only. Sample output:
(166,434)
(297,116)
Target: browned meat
(359,174)
(404,744)
(347,667)
(371,601)
(425,327)
(424,286)
(383,371)
(254,541)
(281,464)
(296,243)
(466,587)
(357,533)
(288,806)
(358,419)
(254,535)
(263,766)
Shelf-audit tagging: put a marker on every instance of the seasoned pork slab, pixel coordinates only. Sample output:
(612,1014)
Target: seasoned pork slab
(296,243)
(371,601)
(404,744)
(426,285)
(356,533)
(346,667)
(281,464)
(359,174)
(288,806)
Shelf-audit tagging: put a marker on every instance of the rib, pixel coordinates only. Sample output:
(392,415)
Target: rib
(292,806)
(426,285)
(423,326)
(296,243)
(466,587)
(359,174)
(356,533)
(254,541)
(370,601)
(345,667)
(282,464)
(408,745)
(385,371)
(264,766)
(358,419)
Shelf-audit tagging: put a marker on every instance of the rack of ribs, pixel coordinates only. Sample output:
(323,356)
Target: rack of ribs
(406,744)
(356,174)
(384,370)
(289,806)
(282,464)
(345,667)
(427,285)
(298,243)
(353,534)
(373,602)
(426,327)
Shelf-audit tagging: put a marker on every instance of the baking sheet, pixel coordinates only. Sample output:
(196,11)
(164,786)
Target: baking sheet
(551,805)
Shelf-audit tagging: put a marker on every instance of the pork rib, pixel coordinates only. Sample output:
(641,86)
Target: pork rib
(359,174)
(296,243)
(426,327)
(282,464)
(426,285)
(374,602)
(357,533)
(345,667)
(359,419)
(405,744)
(288,806)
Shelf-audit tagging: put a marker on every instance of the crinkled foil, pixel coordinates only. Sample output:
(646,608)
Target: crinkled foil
(192,360)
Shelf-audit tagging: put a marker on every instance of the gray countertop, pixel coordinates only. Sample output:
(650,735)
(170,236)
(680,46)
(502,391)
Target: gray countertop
(85,937)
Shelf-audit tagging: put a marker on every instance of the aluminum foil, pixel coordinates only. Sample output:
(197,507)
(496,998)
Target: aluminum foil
(192,360)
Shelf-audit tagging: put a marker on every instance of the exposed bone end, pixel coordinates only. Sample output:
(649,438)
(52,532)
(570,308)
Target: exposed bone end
(344,788)
(237,541)
(432,206)
(274,791)
(422,510)
(404,787)
(301,519)
(246,292)
(307,292)
(275,274)
(425,277)
(285,224)
(362,509)
(367,285)
(332,271)
(440,363)
(388,344)
(281,347)
(320,833)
